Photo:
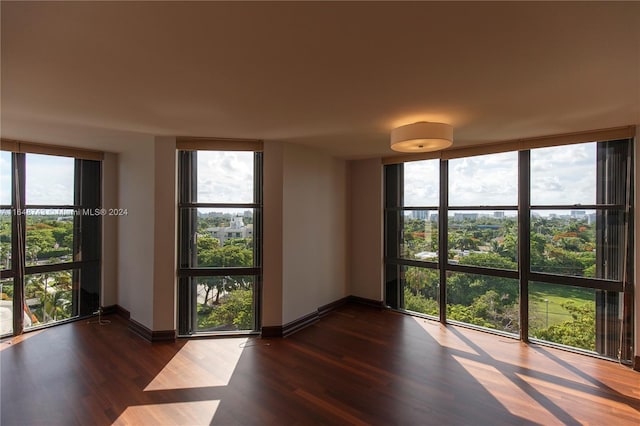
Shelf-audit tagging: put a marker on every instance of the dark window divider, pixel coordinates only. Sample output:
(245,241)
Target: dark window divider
(217,272)
(219,205)
(393,228)
(443,237)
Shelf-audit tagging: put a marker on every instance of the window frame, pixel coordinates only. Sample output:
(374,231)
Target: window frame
(85,266)
(608,289)
(187,195)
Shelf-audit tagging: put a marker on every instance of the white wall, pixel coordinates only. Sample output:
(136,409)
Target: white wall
(147,235)
(305,232)
(365,229)
(272,234)
(314,231)
(165,234)
(136,180)
(109,231)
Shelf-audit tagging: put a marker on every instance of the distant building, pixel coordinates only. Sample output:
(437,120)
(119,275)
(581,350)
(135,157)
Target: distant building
(236,229)
(498,215)
(465,216)
(420,214)
(578,214)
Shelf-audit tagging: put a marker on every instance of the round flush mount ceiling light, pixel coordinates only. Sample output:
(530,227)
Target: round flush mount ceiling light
(422,137)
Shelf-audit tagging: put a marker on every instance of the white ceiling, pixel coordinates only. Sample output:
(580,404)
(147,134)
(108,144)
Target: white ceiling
(334,75)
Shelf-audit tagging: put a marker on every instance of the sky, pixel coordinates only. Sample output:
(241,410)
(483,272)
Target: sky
(49,179)
(559,176)
(5,177)
(225,177)
(564,175)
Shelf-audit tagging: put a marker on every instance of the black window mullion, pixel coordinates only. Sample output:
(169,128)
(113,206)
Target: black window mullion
(393,194)
(18,240)
(88,237)
(443,237)
(483,270)
(524,239)
(628,318)
(257,239)
(217,272)
(611,187)
(483,208)
(187,193)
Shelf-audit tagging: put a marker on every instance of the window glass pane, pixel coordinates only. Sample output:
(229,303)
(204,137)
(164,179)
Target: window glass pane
(49,180)
(48,298)
(421,288)
(485,180)
(5,178)
(564,175)
(224,303)
(49,236)
(567,242)
(484,238)
(225,177)
(223,237)
(6,306)
(482,300)
(422,183)
(5,239)
(563,314)
(420,235)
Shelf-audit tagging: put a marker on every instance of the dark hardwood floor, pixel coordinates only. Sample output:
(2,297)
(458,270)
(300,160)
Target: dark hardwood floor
(358,365)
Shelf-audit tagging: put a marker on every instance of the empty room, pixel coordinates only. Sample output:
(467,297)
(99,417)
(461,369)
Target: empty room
(300,212)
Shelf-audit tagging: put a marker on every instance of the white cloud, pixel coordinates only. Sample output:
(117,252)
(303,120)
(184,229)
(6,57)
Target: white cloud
(561,175)
(422,183)
(225,177)
(49,180)
(5,178)
(487,180)
(564,175)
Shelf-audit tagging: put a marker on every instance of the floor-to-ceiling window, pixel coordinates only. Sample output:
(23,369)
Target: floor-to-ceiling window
(220,216)
(535,243)
(50,237)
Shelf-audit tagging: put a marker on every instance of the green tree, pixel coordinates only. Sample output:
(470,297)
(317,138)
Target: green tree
(235,312)
(54,295)
(228,256)
(578,332)
(419,303)
(422,281)
(206,243)
(488,260)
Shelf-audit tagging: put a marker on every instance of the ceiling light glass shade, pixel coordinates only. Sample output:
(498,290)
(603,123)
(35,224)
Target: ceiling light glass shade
(422,137)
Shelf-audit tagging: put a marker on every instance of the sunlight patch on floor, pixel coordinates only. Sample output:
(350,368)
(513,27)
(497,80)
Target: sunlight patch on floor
(581,405)
(12,341)
(515,400)
(441,335)
(555,364)
(200,363)
(179,413)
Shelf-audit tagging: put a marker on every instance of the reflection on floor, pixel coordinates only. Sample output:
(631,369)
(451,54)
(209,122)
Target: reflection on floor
(358,365)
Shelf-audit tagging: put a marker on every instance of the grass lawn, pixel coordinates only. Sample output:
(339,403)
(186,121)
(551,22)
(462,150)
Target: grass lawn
(556,295)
